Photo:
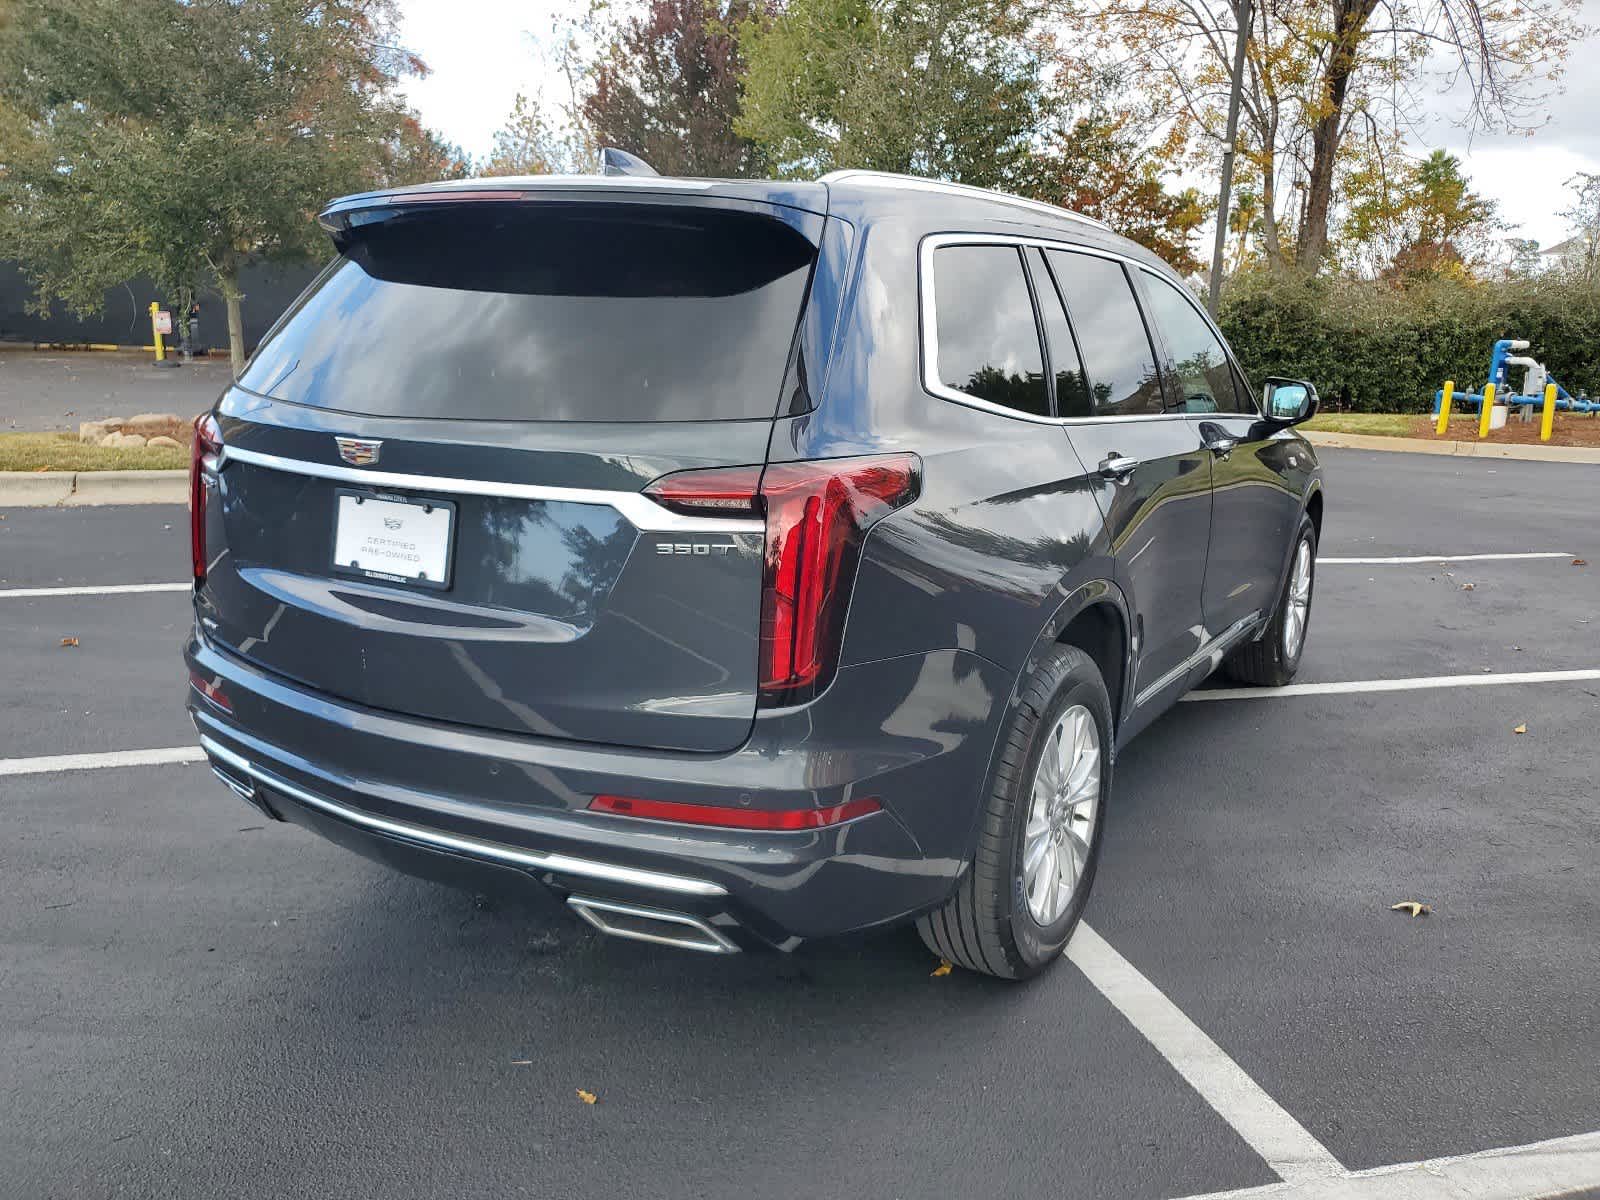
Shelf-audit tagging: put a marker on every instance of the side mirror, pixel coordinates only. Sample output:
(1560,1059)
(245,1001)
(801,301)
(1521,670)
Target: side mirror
(1289,401)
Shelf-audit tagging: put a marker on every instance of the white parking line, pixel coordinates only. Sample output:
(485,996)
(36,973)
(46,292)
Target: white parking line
(1554,1168)
(1440,558)
(1272,1133)
(92,762)
(111,589)
(1419,683)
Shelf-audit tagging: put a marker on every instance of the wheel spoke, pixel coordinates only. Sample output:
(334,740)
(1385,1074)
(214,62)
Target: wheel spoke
(1042,886)
(1036,843)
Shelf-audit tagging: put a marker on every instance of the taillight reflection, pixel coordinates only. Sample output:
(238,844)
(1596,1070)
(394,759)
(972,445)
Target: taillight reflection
(202,459)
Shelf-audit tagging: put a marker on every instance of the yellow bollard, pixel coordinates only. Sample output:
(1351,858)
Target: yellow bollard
(1549,418)
(1444,408)
(1488,407)
(155,328)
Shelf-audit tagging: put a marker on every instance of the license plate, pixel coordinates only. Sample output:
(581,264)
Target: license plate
(404,541)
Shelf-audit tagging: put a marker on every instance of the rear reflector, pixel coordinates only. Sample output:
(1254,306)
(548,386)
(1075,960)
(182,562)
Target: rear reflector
(211,690)
(784,820)
(817,516)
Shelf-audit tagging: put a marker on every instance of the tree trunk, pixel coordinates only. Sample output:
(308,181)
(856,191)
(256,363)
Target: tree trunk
(1269,217)
(228,285)
(1349,18)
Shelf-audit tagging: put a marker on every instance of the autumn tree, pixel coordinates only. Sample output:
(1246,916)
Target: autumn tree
(1329,79)
(186,139)
(1421,220)
(667,88)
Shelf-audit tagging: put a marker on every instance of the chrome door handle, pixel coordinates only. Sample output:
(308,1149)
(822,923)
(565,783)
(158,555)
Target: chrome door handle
(1118,467)
(1222,446)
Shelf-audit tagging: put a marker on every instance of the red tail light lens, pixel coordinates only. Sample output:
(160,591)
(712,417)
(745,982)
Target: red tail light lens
(817,516)
(779,820)
(202,460)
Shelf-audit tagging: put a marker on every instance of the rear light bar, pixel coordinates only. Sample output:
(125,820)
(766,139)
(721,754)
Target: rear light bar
(784,820)
(817,517)
(202,463)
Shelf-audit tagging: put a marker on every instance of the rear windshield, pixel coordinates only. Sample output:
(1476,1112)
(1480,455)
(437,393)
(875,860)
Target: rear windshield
(556,313)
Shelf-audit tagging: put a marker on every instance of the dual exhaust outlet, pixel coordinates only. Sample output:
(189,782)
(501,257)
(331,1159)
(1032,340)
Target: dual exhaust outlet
(655,925)
(658,926)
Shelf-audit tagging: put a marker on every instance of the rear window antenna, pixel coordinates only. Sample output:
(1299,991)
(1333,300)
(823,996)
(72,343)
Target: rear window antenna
(620,162)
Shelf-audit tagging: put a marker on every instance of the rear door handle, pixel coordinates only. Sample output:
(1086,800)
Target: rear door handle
(1116,466)
(1220,444)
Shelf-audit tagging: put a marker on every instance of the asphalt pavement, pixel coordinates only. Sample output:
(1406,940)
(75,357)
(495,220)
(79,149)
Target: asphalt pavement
(198,1003)
(45,390)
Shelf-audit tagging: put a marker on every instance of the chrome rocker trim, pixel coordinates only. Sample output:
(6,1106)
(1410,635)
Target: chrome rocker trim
(561,864)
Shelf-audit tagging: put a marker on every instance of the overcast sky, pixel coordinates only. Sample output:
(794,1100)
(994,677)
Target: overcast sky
(482,52)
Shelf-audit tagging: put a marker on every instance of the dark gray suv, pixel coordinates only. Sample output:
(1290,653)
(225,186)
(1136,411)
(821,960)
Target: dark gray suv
(745,562)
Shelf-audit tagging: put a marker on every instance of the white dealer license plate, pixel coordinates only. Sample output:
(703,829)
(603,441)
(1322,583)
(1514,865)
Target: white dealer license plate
(402,540)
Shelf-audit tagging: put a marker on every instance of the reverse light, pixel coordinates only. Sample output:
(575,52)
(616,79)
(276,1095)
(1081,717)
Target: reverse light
(203,454)
(817,516)
(719,816)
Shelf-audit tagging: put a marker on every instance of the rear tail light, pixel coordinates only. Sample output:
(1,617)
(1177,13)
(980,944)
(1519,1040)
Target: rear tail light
(778,820)
(202,463)
(817,516)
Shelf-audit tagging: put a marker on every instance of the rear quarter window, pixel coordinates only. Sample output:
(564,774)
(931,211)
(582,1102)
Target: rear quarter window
(548,312)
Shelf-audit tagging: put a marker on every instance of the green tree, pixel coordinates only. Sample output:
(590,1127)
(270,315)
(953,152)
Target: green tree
(952,89)
(185,138)
(667,88)
(1584,217)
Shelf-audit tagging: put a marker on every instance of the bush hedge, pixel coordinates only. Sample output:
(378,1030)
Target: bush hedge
(1372,346)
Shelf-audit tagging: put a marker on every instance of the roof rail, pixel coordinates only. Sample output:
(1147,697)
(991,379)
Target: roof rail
(918,183)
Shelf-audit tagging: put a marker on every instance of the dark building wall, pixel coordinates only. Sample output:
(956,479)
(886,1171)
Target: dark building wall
(125,319)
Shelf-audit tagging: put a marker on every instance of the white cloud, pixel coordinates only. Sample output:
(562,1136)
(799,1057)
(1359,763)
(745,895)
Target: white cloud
(481,53)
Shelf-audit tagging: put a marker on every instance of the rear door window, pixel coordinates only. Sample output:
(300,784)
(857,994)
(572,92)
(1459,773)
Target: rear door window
(1072,386)
(1200,368)
(988,337)
(548,312)
(1117,355)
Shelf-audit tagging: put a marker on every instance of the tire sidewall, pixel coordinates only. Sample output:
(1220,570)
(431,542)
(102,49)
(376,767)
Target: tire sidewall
(1038,944)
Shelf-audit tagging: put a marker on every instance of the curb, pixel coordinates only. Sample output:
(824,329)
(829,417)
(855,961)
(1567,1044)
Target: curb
(1403,445)
(71,489)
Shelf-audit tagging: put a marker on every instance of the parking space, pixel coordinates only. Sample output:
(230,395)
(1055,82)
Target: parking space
(196,1002)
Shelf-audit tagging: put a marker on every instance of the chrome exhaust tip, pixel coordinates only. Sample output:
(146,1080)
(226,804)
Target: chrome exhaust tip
(652,925)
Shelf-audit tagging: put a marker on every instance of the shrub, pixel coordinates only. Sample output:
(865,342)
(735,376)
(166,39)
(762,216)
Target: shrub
(1373,346)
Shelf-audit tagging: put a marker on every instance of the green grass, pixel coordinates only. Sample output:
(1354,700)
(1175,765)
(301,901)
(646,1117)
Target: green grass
(63,452)
(1381,424)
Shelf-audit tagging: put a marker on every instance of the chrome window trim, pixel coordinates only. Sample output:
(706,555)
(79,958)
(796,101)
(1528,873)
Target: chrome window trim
(928,318)
(916,183)
(643,513)
(561,864)
(1233,362)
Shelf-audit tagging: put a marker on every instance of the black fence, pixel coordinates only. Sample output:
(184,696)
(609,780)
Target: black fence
(124,320)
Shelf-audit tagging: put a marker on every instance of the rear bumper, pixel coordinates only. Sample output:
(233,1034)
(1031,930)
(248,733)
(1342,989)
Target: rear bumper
(485,809)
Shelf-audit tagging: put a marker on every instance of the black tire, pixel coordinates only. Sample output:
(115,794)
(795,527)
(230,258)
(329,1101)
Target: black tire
(986,925)
(1264,662)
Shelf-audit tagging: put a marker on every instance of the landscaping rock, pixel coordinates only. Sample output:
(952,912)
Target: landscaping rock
(92,433)
(148,425)
(123,440)
(166,443)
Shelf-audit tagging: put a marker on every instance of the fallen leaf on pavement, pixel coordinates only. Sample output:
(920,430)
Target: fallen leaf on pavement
(69,641)
(942,969)
(1580,562)
(1468,587)
(1520,729)
(587,1097)
(1414,907)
